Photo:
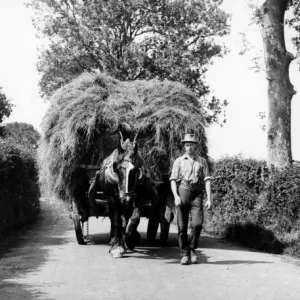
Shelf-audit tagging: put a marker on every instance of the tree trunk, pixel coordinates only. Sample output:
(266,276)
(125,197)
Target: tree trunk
(280,89)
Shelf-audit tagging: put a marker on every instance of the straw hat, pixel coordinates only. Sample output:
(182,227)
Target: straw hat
(189,138)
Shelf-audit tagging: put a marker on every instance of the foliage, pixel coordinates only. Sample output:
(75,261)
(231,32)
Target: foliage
(81,125)
(19,190)
(236,187)
(132,39)
(256,207)
(294,22)
(291,10)
(282,201)
(15,160)
(23,133)
(5,106)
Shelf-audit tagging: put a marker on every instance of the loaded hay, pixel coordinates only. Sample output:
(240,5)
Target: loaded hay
(82,123)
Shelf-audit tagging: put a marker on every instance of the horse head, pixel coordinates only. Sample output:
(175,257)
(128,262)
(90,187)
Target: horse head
(128,168)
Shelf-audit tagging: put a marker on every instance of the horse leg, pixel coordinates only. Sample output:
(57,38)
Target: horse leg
(112,223)
(117,248)
(132,236)
(154,217)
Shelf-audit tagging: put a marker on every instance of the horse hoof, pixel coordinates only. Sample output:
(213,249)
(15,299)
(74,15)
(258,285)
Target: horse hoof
(117,252)
(132,240)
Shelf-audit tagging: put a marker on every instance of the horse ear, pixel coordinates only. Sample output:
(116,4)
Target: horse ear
(135,145)
(121,144)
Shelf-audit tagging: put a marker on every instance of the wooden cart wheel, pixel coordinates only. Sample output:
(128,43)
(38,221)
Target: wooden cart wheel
(78,225)
(78,230)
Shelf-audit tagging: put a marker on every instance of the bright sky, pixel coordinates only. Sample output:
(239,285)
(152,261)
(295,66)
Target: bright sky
(18,55)
(230,78)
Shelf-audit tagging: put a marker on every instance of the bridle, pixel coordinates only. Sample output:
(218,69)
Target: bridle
(127,164)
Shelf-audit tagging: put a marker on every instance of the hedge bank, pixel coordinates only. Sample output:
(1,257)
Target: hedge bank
(19,192)
(254,207)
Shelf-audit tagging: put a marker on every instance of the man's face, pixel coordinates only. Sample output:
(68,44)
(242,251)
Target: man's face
(190,148)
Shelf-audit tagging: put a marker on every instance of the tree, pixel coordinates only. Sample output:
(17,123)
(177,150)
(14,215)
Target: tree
(5,106)
(131,39)
(280,90)
(23,134)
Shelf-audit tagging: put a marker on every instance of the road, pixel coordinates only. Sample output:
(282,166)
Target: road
(44,261)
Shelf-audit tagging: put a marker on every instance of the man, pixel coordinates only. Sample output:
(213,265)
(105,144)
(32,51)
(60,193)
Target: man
(190,172)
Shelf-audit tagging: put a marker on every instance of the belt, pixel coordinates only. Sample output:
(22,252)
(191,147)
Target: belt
(188,184)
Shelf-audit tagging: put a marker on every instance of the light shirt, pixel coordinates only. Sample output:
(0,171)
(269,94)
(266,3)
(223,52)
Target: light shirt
(192,170)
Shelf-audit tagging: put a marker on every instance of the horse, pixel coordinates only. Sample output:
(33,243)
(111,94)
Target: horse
(124,180)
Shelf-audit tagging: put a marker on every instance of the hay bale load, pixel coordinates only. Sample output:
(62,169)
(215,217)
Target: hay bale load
(81,126)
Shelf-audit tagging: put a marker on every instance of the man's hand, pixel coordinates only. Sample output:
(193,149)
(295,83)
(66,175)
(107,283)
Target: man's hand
(208,204)
(177,200)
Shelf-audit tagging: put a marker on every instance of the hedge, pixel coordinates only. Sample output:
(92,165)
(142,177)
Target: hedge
(19,192)
(255,207)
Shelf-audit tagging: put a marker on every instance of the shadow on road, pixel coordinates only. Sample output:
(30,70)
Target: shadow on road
(98,239)
(171,254)
(26,250)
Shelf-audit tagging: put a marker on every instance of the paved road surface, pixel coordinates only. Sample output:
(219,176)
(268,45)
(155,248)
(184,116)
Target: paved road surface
(45,262)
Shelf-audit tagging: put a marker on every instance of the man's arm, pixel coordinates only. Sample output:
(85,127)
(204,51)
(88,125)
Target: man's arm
(173,178)
(175,194)
(208,193)
(206,176)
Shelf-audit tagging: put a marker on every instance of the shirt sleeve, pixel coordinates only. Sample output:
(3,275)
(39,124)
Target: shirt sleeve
(206,173)
(175,170)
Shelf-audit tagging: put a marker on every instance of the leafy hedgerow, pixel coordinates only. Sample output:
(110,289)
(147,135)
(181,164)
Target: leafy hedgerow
(282,200)
(236,186)
(247,196)
(19,190)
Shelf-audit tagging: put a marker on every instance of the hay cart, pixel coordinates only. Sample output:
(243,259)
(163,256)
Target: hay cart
(79,127)
(164,209)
